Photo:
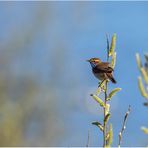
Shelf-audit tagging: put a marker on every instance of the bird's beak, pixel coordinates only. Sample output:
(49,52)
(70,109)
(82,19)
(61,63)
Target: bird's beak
(88,60)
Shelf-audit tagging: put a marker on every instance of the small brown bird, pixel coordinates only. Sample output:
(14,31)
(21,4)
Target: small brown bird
(101,70)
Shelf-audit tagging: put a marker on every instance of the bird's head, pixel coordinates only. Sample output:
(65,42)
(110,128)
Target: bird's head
(94,61)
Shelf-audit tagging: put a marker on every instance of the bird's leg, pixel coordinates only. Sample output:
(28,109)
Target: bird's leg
(101,83)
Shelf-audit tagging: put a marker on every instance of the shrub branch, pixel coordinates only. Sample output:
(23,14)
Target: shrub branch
(123,126)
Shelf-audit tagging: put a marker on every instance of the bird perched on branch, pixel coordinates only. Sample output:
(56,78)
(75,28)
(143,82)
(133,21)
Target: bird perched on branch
(101,70)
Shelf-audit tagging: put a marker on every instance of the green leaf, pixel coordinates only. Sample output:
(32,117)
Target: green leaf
(101,103)
(98,125)
(144,74)
(142,89)
(112,93)
(106,118)
(144,129)
(107,107)
(98,91)
(138,61)
(113,62)
(110,138)
(113,44)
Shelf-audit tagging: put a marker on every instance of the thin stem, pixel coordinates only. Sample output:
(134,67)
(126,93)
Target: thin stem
(104,123)
(107,47)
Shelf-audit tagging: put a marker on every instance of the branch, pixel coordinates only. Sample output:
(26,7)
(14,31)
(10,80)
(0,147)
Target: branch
(105,113)
(107,47)
(123,125)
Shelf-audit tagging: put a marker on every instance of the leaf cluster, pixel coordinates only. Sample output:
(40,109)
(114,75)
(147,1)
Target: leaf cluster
(143,81)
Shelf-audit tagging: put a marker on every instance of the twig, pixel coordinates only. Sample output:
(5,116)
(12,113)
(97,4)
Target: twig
(123,126)
(88,140)
(104,123)
(107,47)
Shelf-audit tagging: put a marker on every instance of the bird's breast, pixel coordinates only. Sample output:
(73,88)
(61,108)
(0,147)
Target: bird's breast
(99,76)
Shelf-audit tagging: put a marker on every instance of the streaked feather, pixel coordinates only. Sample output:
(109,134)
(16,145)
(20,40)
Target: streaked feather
(102,67)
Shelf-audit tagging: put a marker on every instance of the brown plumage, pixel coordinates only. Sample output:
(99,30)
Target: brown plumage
(101,70)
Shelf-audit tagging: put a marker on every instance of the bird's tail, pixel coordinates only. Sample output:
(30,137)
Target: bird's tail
(111,78)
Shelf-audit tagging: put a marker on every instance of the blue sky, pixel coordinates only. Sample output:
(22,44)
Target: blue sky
(77,31)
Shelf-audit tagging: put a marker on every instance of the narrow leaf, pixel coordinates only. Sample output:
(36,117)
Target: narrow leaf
(106,118)
(144,129)
(138,61)
(101,103)
(107,107)
(113,44)
(144,74)
(112,93)
(98,91)
(98,125)
(113,62)
(142,89)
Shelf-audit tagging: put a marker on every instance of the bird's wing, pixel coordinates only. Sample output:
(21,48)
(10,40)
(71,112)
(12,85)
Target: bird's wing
(103,67)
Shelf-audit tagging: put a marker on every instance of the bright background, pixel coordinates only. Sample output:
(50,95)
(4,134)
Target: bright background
(45,80)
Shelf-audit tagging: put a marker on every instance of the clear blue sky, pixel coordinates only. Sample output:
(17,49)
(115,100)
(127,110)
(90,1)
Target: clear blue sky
(77,31)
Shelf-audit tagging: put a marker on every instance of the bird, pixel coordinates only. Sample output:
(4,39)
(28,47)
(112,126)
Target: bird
(101,70)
